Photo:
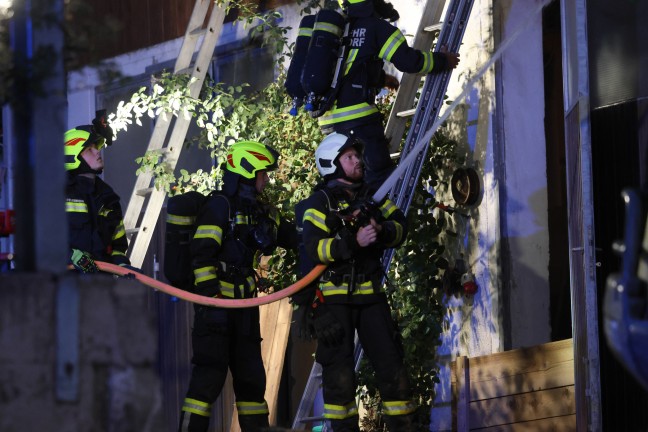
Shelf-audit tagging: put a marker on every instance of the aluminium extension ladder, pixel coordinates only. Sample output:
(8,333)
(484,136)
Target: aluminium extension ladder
(145,195)
(426,112)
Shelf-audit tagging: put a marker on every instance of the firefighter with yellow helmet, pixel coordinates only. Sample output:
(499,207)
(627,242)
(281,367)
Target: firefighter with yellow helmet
(94,214)
(234,227)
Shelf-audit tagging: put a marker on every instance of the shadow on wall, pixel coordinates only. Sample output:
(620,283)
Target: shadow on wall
(529,387)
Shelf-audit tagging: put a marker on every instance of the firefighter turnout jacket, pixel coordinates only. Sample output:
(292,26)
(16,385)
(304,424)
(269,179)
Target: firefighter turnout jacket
(95,220)
(229,237)
(354,274)
(372,41)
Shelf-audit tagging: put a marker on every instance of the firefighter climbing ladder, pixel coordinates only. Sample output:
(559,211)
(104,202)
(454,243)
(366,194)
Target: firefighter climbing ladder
(144,194)
(427,111)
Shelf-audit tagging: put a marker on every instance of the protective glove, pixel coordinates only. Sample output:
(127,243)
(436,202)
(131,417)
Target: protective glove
(386,10)
(83,262)
(328,330)
(303,319)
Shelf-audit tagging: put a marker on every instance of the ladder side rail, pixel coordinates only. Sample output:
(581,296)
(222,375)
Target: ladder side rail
(404,198)
(143,180)
(440,87)
(409,85)
(160,130)
(431,100)
(437,88)
(310,392)
(178,134)
(192,34)
(432,79)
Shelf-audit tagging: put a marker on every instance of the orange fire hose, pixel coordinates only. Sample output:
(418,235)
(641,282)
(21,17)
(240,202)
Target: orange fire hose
(213,301)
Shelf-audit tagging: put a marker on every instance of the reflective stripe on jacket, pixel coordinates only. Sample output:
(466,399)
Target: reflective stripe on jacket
(372,39)
(95,219)
(327,240)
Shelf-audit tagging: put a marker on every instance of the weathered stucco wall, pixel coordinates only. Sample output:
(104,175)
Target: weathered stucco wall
(109,382)
(504,242)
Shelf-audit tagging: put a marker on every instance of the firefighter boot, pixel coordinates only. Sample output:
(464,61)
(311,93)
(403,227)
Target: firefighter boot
(399,423)
(346,425)
(190,422)
(253,423)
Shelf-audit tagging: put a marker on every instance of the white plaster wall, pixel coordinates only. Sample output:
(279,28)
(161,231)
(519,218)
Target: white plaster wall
(509,154)
(526,225)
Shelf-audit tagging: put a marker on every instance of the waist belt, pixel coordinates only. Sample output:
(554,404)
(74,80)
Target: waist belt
(236,282)
(343,278)
(333,283)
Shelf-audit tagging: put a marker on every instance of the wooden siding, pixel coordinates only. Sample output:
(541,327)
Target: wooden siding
(138,24)
(527,389)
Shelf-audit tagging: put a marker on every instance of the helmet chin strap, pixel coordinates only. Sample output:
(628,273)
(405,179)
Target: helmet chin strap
(336,183)
(247,191)
(84,168)
(339,174)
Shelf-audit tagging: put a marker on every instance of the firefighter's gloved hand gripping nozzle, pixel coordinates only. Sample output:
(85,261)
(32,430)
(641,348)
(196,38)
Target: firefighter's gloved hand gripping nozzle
(361,213)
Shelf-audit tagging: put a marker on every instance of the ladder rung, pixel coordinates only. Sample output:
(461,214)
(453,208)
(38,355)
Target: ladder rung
(406,113)
(145,191)
(186,70)
(198,31)
(395,155)
(311,419)
(132,231)
(433,27)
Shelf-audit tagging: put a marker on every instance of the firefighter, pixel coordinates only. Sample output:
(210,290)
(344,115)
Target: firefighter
(343,229)
(233,228)
(94,214)
(372,41)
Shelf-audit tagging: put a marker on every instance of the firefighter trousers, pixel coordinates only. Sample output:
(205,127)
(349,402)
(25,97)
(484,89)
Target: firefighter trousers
(381,342)
(225,339)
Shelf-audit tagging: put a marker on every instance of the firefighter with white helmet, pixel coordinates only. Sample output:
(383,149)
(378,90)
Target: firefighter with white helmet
(345,230)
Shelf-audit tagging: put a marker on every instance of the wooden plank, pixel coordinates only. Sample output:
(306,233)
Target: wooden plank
(559,424)
(453,393)
(275,331)
(557,375)
(522,370)
(523,407)
(522,360)
(274,319)
(463,393)
(156,10)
